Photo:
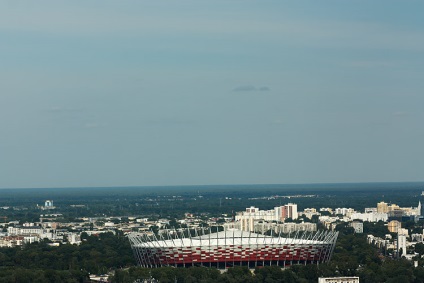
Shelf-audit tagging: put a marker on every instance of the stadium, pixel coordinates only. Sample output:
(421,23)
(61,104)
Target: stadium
(231,248)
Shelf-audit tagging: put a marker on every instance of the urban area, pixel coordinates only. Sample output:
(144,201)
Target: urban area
(254,239)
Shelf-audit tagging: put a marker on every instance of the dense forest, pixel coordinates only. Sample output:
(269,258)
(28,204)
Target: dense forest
(39,262)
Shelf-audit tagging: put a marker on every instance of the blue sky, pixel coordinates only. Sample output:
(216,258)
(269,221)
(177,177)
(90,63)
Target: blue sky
(133,93)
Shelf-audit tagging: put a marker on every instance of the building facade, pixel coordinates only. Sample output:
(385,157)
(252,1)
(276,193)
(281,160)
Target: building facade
(252,215)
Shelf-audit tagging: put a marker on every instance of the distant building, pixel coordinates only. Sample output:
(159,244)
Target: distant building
(357,226)
(377,241)
(253,215)
(396,214)
(48,204)
(394,226)
(28,230)
(344,211)
(247,218)
(370,210)
(309,212)
(330,222)
(403,231)
(326,209)
(289,211)
(11,241)
(284,227)
(382,207)
(401,244)
(417,238)
(338,280)
(393,207)
(370,217)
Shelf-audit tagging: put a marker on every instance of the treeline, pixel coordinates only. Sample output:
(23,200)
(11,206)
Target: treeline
(269,274)
(391,271)
(214,200)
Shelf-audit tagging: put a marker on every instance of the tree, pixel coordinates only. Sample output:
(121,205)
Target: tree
(419,248)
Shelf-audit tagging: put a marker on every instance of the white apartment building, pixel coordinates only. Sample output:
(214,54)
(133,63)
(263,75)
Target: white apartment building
(401,243)
(370,217)
(11,241)
(284,227)
(11,231)
(344,211)
(253,214)
(309,212)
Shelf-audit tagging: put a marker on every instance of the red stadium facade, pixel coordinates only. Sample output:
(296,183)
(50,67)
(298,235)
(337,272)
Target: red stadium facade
(232,248)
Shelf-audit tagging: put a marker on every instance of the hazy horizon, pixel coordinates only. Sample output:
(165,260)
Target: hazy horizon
(200,186)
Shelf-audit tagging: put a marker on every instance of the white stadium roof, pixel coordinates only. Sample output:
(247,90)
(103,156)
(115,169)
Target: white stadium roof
(232,237)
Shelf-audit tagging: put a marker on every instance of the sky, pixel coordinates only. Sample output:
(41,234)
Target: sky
(189,92)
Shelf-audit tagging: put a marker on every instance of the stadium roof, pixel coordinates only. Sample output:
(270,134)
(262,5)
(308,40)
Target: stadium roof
(236,238)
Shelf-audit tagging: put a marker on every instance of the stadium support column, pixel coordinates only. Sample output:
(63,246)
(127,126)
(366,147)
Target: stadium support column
(234,246)
(182,245)
(225,247)
(263,251)
(279,247)
(211,253)
(249,251)
(257,250)
(333,245)
(328,246)
(271,246)
(241,245)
